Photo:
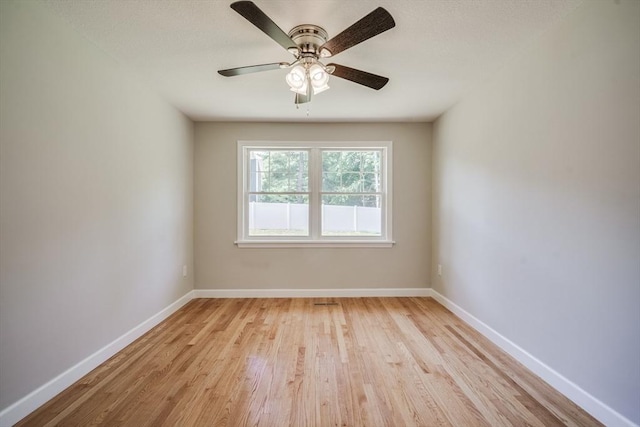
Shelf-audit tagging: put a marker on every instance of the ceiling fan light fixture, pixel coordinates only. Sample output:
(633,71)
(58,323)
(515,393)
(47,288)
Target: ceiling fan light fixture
(319,89)
(319,78)
(297,79)
(309,44)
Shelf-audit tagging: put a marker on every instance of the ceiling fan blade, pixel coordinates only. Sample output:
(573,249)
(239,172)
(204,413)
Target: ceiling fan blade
(373,81)
(371,25)
(252,69)
(257,17)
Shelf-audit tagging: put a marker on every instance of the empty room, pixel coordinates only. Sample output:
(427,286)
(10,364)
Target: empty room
(320,213)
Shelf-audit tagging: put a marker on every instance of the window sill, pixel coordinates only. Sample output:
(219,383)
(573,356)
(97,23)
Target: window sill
(283,244)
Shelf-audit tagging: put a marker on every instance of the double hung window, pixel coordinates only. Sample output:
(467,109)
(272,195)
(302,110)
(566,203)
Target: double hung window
(314,193)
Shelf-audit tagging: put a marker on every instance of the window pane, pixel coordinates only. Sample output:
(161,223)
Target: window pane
(351,215)
(371,161)
(279,215)
(331,181)
(371,182)
(351,171)
(345,182)
(279,171)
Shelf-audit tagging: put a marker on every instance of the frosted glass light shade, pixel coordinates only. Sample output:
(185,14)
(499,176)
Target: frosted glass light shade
(297,80)
(319,78)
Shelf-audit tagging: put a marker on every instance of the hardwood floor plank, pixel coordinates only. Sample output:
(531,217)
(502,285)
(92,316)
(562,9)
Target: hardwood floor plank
(279,362)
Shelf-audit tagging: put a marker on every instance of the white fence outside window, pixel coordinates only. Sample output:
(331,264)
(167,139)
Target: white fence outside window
(335,219)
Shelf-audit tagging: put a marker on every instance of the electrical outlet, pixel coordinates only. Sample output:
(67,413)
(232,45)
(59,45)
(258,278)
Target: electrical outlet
(439,269)
(184,271)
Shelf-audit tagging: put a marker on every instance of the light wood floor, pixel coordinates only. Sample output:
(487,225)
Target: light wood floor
(279,362)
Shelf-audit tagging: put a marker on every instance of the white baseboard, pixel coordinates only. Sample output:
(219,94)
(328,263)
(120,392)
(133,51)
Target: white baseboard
(586,401)
(311,293)
(44,393)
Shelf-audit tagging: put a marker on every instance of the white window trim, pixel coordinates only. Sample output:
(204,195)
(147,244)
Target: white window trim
(315,240)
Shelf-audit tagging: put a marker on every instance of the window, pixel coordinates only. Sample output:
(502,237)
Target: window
(314,194)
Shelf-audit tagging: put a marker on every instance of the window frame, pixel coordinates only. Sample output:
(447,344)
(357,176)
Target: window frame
(315,238)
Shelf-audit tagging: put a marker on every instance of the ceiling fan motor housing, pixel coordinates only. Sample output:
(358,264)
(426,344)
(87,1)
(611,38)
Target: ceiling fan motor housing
(309,38)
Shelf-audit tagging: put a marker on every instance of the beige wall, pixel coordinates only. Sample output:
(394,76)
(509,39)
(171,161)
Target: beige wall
(222,265)
(95,200)
(537,202)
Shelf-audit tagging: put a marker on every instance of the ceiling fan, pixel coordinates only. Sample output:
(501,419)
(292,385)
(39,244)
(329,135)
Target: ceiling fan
(308,44)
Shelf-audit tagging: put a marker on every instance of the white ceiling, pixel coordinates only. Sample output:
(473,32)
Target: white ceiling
(438,50)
